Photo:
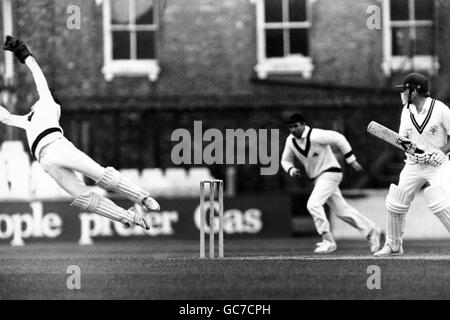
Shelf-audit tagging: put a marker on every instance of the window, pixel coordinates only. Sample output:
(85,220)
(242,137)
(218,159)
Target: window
(409,41)
(130,30)
(283,28)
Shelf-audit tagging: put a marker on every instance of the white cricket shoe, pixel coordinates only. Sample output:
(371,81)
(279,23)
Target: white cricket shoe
(140,219)
(150,204)
(325,247)
(374,240)
(387,251)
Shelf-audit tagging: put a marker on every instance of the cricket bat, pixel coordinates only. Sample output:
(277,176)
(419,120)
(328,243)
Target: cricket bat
(392,137)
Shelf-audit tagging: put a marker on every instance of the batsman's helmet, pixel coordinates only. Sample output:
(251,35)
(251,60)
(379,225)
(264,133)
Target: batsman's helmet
(416,81)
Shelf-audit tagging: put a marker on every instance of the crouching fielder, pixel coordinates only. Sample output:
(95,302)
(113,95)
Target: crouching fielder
(312,148)
(425,121)
(60,158)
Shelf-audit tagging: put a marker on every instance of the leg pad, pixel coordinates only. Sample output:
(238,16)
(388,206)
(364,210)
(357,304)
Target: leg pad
(110,179)
(397,204)
(87,202)
(397,200)
(439,204)
(438,199)
(94,203)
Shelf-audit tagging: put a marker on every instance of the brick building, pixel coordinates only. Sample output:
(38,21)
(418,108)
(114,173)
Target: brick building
(129,72)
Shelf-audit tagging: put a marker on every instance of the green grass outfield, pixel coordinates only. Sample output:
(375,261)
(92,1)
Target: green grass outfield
(252,269)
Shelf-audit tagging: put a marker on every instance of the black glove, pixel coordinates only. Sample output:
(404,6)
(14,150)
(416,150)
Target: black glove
(18,47)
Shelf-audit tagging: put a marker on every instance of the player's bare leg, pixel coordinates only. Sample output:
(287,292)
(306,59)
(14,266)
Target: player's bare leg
(93,203)
(397,204)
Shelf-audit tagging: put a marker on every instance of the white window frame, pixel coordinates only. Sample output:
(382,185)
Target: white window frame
(126,67)
(291,64)
(7,68)
(424,63)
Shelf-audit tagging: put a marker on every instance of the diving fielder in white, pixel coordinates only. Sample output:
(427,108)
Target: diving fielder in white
(312,148)
(426,122)
(60,158)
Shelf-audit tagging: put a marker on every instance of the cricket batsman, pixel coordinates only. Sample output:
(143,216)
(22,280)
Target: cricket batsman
(312,147)
(60,158)
(426,122)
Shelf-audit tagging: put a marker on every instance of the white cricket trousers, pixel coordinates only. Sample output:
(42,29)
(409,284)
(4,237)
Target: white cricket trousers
(326,190)
(61,158)
(414,176)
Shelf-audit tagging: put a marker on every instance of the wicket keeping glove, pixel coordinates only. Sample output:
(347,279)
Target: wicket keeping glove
(17,46)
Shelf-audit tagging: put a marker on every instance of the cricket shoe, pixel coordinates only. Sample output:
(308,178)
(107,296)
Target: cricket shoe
(140,219)
(387,251)
(325,247)
(150,204)
(374,240)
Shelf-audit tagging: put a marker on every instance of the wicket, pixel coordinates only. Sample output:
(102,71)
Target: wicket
(212,191)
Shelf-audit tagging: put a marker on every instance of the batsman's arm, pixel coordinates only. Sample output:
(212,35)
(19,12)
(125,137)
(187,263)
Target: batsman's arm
(407,145)
(23,54)
(402,129)
(446,125)
(39,78)
(446,149)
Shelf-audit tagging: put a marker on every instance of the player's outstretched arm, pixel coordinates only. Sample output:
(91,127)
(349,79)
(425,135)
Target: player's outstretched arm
(356,166)
(337,139)
(11,119)
(17,47)
(22,53)
(39,78)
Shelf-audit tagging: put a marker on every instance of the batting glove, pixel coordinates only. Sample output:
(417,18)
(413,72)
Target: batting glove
(437,157)
(420,158)
(17,46)
(410,148)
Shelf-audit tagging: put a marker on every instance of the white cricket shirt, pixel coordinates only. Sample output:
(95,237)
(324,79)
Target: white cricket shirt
(42,123)
(313,150)
(430,128)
